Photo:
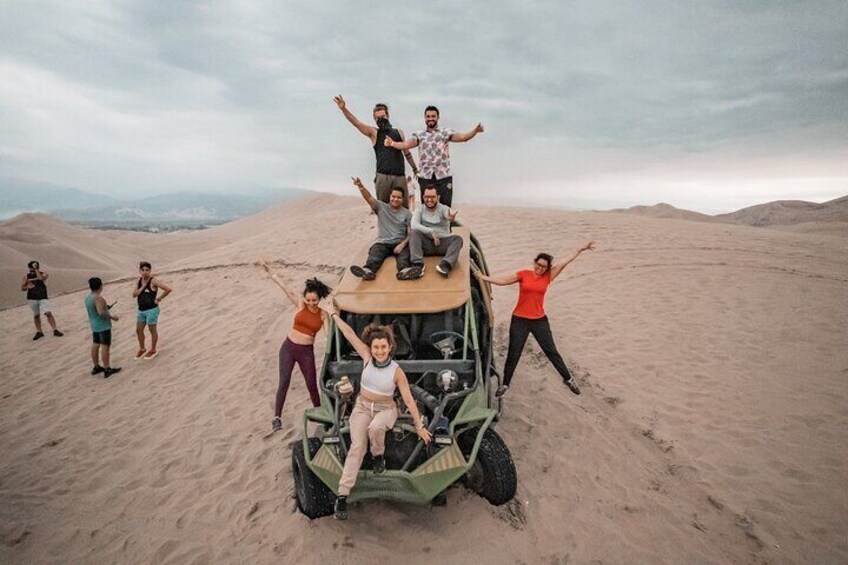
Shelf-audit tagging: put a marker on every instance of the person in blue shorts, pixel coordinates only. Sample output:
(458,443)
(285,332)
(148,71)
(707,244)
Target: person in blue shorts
(147,294)
(100,320)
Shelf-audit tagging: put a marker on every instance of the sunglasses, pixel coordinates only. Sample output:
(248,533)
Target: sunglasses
(542,265)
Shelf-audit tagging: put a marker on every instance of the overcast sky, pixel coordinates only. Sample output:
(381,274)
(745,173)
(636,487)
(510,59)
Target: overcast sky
(598,103)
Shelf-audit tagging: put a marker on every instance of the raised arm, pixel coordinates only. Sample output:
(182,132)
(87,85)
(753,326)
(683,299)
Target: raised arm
(294,298)
(405,145)
(408,155)
(365,193)
(403,385)
(463,137)
(349,333)
(366,130)
(557,269)
(41,275)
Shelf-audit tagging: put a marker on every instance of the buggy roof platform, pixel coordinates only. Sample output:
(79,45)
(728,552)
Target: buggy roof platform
(386,295)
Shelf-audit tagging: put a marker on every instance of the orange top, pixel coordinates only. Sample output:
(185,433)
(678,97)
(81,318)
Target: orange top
(531,294)
(308,322)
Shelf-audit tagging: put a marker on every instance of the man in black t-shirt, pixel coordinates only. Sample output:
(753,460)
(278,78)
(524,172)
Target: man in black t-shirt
(36,290)
(390,166)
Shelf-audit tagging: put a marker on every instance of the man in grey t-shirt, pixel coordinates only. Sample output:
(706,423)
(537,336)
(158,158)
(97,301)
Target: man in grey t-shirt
(392,233)
(431,235)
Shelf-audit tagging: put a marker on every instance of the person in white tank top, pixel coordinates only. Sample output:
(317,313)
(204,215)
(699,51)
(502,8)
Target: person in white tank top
(375,412)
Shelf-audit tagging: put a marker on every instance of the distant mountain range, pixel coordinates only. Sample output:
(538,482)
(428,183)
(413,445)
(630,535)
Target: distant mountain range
(777,213)
(179,209)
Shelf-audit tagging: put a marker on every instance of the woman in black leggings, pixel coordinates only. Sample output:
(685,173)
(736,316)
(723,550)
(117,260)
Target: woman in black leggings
(529,314)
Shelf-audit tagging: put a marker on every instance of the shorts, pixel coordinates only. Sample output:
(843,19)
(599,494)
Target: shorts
(39,306)
(149,317)
(102,338)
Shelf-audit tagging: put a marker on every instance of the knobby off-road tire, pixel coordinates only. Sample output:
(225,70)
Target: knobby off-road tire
(314,499)
(493,474)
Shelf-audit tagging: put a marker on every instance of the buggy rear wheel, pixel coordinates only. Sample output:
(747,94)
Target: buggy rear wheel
(314,498)
(493,475)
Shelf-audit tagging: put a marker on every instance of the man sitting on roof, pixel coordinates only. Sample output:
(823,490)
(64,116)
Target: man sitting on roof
(431,236)
(392,233)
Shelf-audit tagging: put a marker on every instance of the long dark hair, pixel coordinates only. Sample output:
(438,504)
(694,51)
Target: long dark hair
(319,288)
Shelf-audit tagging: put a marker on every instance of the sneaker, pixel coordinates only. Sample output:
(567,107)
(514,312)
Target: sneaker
(109,371)
(57,333)
(501,391)
(340,510)
(411,273)
(151,354)
(363,273)
(572,384)
(97,369)
(276,424)
(379,464)
(38,335)
(139,354)
(444,268)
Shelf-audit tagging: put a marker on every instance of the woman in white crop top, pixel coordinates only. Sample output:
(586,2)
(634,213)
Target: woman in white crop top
(374,413)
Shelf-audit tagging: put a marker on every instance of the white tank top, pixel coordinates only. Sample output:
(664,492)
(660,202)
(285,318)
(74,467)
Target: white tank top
(379,380)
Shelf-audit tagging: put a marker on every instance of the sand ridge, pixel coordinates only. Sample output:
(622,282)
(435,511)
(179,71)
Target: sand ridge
(711,428)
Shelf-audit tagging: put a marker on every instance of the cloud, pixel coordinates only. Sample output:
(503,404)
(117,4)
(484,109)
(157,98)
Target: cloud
(125,97)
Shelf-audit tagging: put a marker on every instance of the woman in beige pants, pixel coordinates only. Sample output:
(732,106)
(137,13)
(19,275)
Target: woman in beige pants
(374,413)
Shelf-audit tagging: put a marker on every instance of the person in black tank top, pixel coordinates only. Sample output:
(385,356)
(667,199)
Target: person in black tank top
(147,295)
(36,290)
(390,168)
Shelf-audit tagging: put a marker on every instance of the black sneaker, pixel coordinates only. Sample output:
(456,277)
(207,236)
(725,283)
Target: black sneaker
(411,273)
(57,333)
(340,510)
(363,273)
(379,464)
(277,424)
(444,268)
(109,371)
(572,384)
(38,335)
(501,391)
(97,369)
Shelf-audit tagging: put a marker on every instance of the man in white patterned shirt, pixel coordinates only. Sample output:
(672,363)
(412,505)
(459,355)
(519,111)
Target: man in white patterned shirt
(434,153)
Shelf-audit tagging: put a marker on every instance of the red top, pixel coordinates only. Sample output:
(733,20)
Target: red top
(531,294)
(307,322)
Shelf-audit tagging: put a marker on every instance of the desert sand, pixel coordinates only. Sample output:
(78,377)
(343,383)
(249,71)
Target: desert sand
(712,427)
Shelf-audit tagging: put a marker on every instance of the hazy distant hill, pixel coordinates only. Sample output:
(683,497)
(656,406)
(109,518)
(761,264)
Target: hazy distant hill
(175,209)
(826,217)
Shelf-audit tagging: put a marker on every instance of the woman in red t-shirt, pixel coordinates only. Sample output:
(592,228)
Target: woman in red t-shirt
(529,314)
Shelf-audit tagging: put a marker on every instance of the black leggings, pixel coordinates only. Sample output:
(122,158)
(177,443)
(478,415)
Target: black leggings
(519,329)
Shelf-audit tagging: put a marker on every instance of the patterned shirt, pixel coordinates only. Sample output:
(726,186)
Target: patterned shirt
(434,153)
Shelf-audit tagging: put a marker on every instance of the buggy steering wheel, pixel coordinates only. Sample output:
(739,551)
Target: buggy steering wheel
(446,342)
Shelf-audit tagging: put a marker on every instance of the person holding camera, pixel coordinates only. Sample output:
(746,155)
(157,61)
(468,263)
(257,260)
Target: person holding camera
(100,320)
(36,290)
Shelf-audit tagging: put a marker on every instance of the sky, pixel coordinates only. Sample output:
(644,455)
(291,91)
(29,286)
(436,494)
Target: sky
(707,105)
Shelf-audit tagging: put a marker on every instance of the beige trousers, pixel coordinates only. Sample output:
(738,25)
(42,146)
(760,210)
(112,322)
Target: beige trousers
(369,421)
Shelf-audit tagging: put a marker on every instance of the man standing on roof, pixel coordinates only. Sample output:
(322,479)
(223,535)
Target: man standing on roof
(434,153)
(392,234)
(431,235)
(390,166)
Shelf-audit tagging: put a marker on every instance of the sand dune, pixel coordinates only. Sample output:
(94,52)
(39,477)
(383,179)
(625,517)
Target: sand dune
(827,218)
(711,428)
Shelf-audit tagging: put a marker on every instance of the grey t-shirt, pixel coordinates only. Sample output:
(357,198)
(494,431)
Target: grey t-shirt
(391,226)
(436,221)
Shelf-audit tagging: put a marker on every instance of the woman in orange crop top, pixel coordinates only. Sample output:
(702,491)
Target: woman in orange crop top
(297,348)
(529,314)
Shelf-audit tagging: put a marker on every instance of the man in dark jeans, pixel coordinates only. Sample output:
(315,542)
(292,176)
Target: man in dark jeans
(392,233)
(390,167)
(434,153)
